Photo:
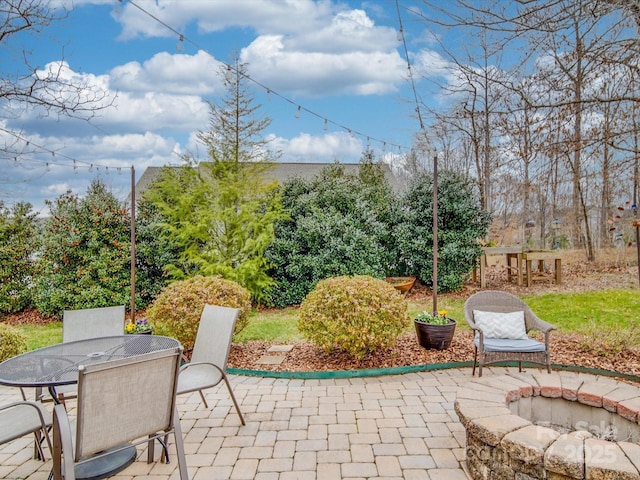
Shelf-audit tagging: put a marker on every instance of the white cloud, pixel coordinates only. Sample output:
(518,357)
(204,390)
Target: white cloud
(170,73)
(431,64)
(325,148)
(264,16)
(318,73)
(56,189)
(304,48)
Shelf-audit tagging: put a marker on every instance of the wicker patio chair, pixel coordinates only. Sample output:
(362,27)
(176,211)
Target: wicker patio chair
(210,354)
(121,403)
(493,350)
(21,418)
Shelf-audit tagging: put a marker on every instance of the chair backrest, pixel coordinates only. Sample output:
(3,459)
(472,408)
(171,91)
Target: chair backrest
(496,301)
(215,332)
(92,323)
(125,399)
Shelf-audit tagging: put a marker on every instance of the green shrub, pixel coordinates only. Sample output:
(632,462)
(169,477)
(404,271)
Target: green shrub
(461,222)
(85,260)
(339,225)
(12,342)
(356,314)
(176,311)
(17,245)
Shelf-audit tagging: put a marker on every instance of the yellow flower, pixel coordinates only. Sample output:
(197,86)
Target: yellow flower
(442,313)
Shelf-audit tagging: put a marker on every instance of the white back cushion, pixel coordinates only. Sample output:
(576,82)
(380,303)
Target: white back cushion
(501,325)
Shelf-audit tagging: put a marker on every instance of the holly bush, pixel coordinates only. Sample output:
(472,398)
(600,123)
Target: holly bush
(177,309)
(85,257)
(357,314)
(339,224)
(461,222)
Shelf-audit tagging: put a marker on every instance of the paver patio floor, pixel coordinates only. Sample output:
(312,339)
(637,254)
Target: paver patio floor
(387,427)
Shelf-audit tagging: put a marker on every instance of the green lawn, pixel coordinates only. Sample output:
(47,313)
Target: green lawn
(611,314)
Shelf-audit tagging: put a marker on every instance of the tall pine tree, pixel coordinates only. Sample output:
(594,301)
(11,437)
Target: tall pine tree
(221,213)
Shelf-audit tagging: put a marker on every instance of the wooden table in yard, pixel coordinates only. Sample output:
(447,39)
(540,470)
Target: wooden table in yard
(541,256)
(511,253)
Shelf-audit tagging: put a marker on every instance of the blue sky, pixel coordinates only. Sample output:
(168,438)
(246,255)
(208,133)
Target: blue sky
(341,60)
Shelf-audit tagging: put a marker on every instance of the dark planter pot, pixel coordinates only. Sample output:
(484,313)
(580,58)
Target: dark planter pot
(435,337)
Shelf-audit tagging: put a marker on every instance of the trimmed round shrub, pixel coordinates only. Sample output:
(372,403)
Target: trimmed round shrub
(357,314)
(12,342)
(177,309)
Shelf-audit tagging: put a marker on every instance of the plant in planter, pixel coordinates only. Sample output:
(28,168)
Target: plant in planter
(435,330)
(141,326)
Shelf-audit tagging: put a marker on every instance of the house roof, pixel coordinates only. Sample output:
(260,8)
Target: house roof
(282,172)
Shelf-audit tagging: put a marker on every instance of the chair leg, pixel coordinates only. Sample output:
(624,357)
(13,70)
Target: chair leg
(233,398)
(39,451)
(62,445)
(475,361)
(204,400)
(177,432)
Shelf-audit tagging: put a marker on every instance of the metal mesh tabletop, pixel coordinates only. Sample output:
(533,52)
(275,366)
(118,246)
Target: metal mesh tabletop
(58,364)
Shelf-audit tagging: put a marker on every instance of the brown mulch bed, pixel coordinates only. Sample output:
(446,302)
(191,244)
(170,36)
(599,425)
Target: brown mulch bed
(306,357)
(566,349)
(573,349)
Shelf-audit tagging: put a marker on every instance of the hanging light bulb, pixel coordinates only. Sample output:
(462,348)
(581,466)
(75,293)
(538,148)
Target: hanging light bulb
(400,34)
(298,112)
(180,43)
(326,125)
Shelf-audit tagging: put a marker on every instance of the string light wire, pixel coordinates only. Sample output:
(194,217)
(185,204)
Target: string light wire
(182,38)
(269,90)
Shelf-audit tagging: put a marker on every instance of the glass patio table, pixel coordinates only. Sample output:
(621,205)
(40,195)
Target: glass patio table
(58,364)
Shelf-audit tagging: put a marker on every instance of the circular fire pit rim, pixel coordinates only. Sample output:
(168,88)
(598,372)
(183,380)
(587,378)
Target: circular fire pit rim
(501,442)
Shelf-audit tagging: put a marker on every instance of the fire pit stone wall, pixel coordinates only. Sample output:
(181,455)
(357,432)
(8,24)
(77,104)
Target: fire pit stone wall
(558,426)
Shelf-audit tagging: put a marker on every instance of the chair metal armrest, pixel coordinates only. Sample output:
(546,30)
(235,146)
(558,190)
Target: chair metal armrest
(193,364)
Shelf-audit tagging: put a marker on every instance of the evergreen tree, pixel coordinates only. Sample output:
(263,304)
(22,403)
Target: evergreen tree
(221,214)
(85,258)
(17,244)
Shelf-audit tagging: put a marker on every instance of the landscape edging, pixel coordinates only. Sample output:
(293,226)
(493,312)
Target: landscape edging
(378,372)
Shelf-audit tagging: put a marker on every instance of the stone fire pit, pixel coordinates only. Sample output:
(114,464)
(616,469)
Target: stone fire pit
(556,426)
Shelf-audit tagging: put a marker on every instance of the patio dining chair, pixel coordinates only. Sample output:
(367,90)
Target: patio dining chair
(18,419)
(121,403)
(89,323)
(502,323)
(208,364)
(92,323)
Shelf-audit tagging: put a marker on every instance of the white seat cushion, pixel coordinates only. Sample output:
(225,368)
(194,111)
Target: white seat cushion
(511,345)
